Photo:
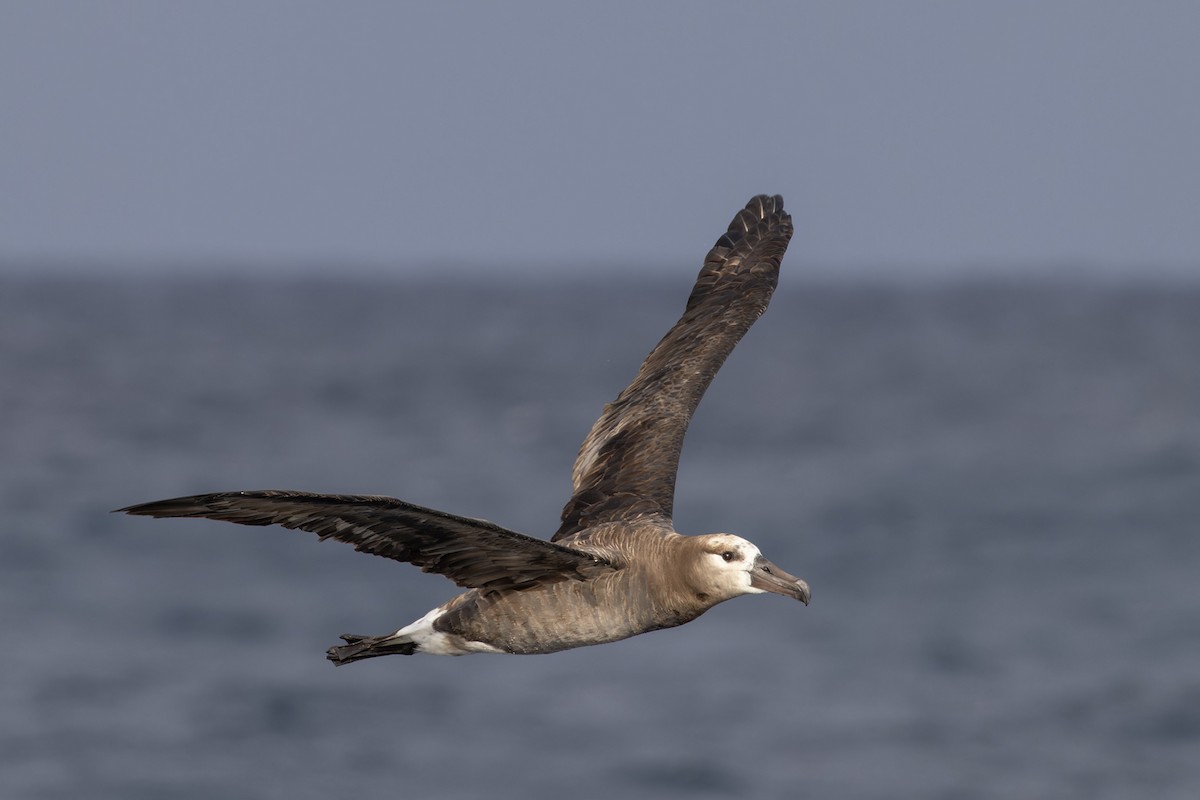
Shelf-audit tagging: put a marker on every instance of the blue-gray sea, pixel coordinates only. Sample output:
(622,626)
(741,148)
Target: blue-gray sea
(993,489)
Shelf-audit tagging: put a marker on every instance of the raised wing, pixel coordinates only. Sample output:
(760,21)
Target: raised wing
(626,466)
(473,553)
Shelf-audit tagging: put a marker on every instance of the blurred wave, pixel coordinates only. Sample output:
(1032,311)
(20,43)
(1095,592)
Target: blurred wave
(992,489)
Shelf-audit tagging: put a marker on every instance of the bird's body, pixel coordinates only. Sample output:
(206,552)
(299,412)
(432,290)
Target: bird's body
(616,567)
(530,622)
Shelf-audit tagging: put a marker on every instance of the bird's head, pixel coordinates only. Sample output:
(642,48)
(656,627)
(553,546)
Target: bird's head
(726,566)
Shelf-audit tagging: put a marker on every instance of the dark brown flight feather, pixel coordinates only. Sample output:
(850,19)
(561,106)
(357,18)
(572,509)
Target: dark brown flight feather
(473,553)
(626,467)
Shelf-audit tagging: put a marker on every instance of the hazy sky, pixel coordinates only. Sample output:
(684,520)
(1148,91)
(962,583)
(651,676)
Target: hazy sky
(929,136)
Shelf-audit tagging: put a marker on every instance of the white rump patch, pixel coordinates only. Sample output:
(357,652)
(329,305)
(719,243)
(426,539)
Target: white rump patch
(437,643)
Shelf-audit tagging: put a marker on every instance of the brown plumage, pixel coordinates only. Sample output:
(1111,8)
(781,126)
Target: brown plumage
(629,459)
(615,567)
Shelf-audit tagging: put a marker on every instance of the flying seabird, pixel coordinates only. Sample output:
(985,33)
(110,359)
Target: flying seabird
(616,567)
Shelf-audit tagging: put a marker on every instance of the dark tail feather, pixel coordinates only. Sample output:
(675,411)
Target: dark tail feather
(359,647)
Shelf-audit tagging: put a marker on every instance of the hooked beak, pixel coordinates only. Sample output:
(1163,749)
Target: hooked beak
(767,577)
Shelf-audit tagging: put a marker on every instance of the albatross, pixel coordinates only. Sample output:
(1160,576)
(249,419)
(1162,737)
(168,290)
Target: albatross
(616,567)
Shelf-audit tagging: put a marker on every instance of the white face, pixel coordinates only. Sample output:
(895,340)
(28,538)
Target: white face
(728,562)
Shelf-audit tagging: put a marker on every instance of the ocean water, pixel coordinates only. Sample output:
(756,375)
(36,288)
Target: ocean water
(992,488)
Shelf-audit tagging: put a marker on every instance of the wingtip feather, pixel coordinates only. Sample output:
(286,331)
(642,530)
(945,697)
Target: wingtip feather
(763,213)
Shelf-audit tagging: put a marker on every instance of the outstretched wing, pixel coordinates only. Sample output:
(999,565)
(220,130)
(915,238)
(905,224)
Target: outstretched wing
(473,553)
(626,466)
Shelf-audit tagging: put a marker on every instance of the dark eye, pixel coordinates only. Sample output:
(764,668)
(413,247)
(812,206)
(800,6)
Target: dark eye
(727,555)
